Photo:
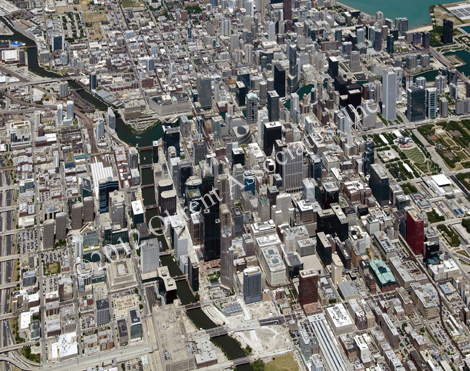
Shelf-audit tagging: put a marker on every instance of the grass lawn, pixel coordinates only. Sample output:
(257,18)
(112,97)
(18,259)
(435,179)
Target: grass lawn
(415,155)
(285,362)
(131,4)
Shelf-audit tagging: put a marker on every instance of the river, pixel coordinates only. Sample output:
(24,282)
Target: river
(199,318)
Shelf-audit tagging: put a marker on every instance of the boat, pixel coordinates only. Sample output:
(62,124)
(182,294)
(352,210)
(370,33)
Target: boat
(138,137)
(160,243)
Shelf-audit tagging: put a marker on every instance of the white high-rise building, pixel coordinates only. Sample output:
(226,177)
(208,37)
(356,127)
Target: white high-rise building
(291,161)
(344,124)
(399,72)
(99,129)
(251,109)
(294,105)
(225,27)
(249,54)
(421,81)
(389,103)
(271,31)
(70,106)
(111,118)
(60,114)
(440,84)
(431,103)
(234,42)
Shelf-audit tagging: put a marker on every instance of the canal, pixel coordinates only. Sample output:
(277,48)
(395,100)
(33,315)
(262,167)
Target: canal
(199,318)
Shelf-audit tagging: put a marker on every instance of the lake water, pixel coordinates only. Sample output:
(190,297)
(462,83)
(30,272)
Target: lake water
(417,11)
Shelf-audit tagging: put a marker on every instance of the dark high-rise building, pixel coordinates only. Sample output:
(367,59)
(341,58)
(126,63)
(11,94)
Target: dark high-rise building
(252,287)
(93,81)
(415,231)
(426,40)
(273,106)
(241,93)
(341,222)
(330,194)
(431,252)
(308,287)
(155,152)
(185,170)
(324,248)
(416,103)
(204,90)
(448,31)
(379,184)
(211,228)
(333,67)
(315,170)
(390,44)
(279,80)
(287,10)
(107,186)
(272,132)
(171,138)
(368,156)
(193,274)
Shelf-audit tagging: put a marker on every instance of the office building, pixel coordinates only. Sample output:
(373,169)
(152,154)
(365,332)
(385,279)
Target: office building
(63,89)
(390,44)
(171,138)
(48,234)
(389,102)
(279,79)
(440,84)
(431,103)
(415,231)
(252,285)
(168,203)
(61,226)
(204,90)
(287,7)
(133,158)
(70,106)
(199,151)
(77,215)
(273,106)
(99,129)
(226,258)
(308,287)
(355,62)
(251,109)
(289,163)
(211,224)
(60,114)
(117,207)
(111,118)
(379,184)
(333,67)
(324,248)
(88,209)
(416,103)
(106,186)
(272,132)
(443,107)
(93,81)
(193,273)
(149,256)
(448,31)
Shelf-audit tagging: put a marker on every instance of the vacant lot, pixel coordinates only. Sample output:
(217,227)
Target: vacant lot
(91,17)
(285,362)
(52,268)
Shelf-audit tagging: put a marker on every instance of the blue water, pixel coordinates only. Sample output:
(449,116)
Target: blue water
(417,11)
(466,29)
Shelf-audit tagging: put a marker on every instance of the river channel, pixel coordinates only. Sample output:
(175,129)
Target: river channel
(199,318)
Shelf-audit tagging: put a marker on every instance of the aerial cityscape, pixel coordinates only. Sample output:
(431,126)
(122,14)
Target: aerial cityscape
(241,185)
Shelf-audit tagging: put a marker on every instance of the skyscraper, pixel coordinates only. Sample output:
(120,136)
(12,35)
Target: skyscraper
(279,79)
(448,31)
(287,7)
(389,102)
(308,287)
(251,109)
(61,226)
(390,44)
(379,184)
(368,156)
(333,67)
(273,106)
(211,225)
(252,288)
(440,83)
(99,129)
(416,103)
(63,89)
(415,231)
(70,114)
(272,132)
(111,118)
(117,208)
(272,31)
(431,103)
(204,90)
(226,258)
(60,114)
(93,81)
(171,138)
(290,164)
